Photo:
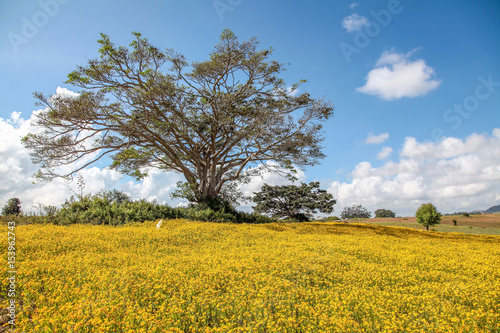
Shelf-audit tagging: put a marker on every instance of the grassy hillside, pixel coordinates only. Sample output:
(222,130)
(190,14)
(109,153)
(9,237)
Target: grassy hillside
(488,224)
(206,277)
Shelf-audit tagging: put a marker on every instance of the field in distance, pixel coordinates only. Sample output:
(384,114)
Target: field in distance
(279,277)
(488,224)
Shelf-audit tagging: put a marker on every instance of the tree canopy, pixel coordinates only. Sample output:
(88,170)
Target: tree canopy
(384,213)
(207,120)
(355,212)
(428,215)
(12,207)
(296,202)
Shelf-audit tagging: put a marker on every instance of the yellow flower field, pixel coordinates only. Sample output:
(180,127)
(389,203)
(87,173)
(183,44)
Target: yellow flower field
(205,277)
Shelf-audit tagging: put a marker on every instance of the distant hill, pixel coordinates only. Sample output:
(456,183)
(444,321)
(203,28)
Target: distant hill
(491,210)
(494,209)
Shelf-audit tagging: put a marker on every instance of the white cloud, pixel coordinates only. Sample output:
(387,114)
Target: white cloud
(157,186)
(446,148)
(375,139)
(353,5)
(16,171)
(395,76)
(66,92)
(384,153)
(454,174)
(354,22)
(292,92)
(16,168)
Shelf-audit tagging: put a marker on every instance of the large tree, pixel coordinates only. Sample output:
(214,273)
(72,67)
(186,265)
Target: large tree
(207,120)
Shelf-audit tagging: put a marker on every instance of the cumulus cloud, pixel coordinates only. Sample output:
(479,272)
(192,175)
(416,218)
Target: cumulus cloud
(446,148)
(17,170)
(396,76)
(292,92)
(454,174)
(376,139)
(66,92)
(384,153)
(354,22)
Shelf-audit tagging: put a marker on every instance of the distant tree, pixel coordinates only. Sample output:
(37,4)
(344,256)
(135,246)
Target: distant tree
(115,195)
(207,120)
(384,213)
(295,202)
(428,215)
(12,207)
(355,212)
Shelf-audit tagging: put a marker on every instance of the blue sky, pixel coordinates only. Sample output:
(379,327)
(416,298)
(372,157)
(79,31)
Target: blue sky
(415,84)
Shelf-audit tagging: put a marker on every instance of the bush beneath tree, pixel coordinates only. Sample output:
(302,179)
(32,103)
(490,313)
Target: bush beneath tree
(116,208)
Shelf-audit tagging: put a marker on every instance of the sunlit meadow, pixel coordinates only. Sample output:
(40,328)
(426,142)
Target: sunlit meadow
(206,277)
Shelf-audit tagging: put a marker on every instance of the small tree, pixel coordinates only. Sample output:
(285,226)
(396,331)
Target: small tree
(295,202)
(13,207)
(428,215)
(355,212)
(384,213)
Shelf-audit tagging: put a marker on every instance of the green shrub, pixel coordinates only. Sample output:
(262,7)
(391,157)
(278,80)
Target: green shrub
(116,208)
(112,208)
(301,217)
(202,213)
(102,209)
(216,205)
(26,219)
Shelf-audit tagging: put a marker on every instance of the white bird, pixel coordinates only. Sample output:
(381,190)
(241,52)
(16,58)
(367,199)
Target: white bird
(158,225)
